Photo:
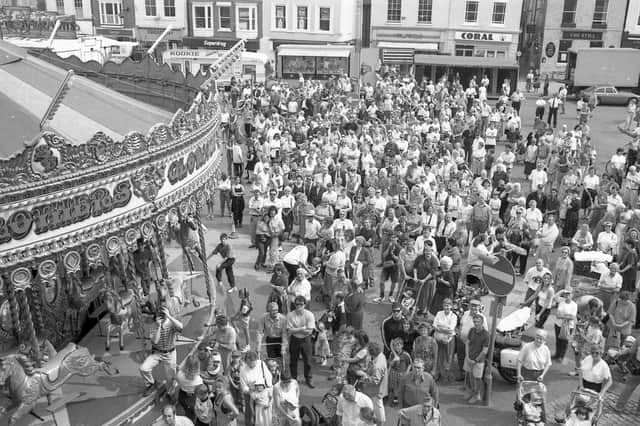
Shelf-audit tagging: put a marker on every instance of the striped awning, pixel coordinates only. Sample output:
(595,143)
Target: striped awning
(397,56)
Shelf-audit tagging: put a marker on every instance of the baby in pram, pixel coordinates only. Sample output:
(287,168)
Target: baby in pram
(580,414)
(530,404)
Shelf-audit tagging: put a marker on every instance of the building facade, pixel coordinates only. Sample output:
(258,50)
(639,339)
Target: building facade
(312,38)
(114,19)
(631,32)
(573,24)
(435,38)
(81,9)
(218,25)
(153,17)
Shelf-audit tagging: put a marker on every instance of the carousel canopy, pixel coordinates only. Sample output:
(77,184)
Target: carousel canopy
(27,85)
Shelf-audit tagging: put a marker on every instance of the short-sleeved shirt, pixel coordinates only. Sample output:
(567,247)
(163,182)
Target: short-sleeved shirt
(598,373)
(297,320)
(350,411)
(477,341)
(274,327)
(533,357)
(168,336)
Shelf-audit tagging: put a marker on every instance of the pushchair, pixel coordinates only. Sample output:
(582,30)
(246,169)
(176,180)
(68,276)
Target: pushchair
(416,287)
(584,409)
(530,405)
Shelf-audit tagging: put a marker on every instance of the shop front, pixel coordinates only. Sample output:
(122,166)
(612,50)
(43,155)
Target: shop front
(434,67)
(314,62)
(401,54)
(120,34)
(147,36)
(219,43)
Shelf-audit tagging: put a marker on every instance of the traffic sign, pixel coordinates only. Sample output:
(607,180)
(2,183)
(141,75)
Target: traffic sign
(499,277)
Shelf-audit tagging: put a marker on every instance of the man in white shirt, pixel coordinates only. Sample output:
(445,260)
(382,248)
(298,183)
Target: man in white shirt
(547,235)
(256,204)
(533,277)
(607,240)
(538,177)
(169,418)
(610,284)
(350,402)
(342,223)
(300,287)
(295,259)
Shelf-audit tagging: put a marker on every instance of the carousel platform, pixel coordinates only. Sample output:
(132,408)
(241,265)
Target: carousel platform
(115,400)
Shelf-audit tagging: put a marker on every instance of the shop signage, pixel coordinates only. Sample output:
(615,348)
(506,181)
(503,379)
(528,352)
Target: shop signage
(481,36)
(65,212)
(550,50)
(115,32)
(152,34)
(182,167)
(582,35)
(218,43)
(185,53)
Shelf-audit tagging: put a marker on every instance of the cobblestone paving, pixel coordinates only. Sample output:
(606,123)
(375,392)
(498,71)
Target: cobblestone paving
(609,417)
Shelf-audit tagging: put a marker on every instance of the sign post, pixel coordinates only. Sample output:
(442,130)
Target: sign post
(500,279)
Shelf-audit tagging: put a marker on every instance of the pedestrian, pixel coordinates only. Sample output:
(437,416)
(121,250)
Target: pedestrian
(163,336)
(300,325)
(534,358)
(424,414)
(257,387)
(350,402)
(416,385)
(187,380)
(374,381)
(554,104)
(476,353)
(224,186)
(256,204)
(445,323)
(286,402)
(633,379)
(237,201)
(224,407)
(170,418)
(565,323)
(228,259)
(273,326)
(225,337)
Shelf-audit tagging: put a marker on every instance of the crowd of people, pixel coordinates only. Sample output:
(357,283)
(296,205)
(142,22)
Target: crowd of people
(409,186)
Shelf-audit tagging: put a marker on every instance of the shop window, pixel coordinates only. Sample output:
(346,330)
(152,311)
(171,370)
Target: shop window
(480,53)
(394,10)
(501,54)
(281,17)
(491,53)
(60,7)
(224,18)
(563,50)
(569,13)
(150,8)
(303,18)
(176,67)
(111,13)
(325,19)
(600,14)
(246,18)
(596,43)
(79,8)
(499,12)
(464,50)
(425,11)
(202,17)
(170,8)
(471,12)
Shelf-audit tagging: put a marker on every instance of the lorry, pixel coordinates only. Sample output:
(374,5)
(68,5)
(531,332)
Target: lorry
(619,67)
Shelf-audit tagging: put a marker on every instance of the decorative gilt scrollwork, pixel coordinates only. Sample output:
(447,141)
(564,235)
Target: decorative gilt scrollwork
(71,262)
(131,238)
(113,246)
(94,255)
(21,279)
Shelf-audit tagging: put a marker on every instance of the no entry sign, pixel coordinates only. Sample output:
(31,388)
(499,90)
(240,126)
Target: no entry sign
(500,277)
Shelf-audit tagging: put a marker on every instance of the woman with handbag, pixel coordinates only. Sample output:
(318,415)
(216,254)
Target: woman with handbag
(445,323)
(565,323)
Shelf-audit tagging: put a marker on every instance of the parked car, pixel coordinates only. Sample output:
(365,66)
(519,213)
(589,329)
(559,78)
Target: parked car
(609,95)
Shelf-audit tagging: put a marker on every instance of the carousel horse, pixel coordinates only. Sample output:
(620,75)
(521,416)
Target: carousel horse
(26,384)
(124,313)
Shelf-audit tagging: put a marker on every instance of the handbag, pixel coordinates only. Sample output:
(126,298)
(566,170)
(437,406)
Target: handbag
(442,337)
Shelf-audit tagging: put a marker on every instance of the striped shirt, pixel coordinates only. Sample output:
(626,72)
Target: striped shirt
(168,336)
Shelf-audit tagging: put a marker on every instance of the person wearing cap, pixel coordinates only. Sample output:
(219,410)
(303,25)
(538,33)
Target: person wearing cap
(350,402)
(256,385)
(228,259)
(300,325)
(610,284)
(256,205)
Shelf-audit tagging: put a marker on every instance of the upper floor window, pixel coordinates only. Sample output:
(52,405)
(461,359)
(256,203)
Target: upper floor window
(247,18)
(499,12)
(111,12)
(60,7)
(170,8)
(281,17)
(224,17)
(303,18)
(425,11)
(324,23)
(600,12)
(79,8)
(202,17)
(150,8)
(471,12)
(394,10)
(569,12)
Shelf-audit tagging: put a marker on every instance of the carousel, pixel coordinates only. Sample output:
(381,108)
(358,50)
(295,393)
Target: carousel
(83,231)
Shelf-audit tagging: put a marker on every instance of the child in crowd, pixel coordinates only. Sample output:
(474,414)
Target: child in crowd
(345,343)
(408,304)
(234,368)
(322,349)
(242,319)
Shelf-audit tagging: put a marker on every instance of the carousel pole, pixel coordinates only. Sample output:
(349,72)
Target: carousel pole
(161,254)
(211,292)
(23,300)
(13,307)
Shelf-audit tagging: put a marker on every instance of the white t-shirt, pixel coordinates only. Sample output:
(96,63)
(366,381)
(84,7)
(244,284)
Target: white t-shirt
(565,308)
(297,255)
(490,136)
(598,373)
(350,411)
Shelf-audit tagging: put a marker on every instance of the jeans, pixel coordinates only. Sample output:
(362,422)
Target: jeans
(225,201)
(561,344)
(168,361)
(633,382)
(262,244)
(253,223)
(227,267)
(552,115)
(297,347)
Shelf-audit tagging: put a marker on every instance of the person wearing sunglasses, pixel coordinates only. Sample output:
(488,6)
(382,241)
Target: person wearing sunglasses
(300,324)
(594,372)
